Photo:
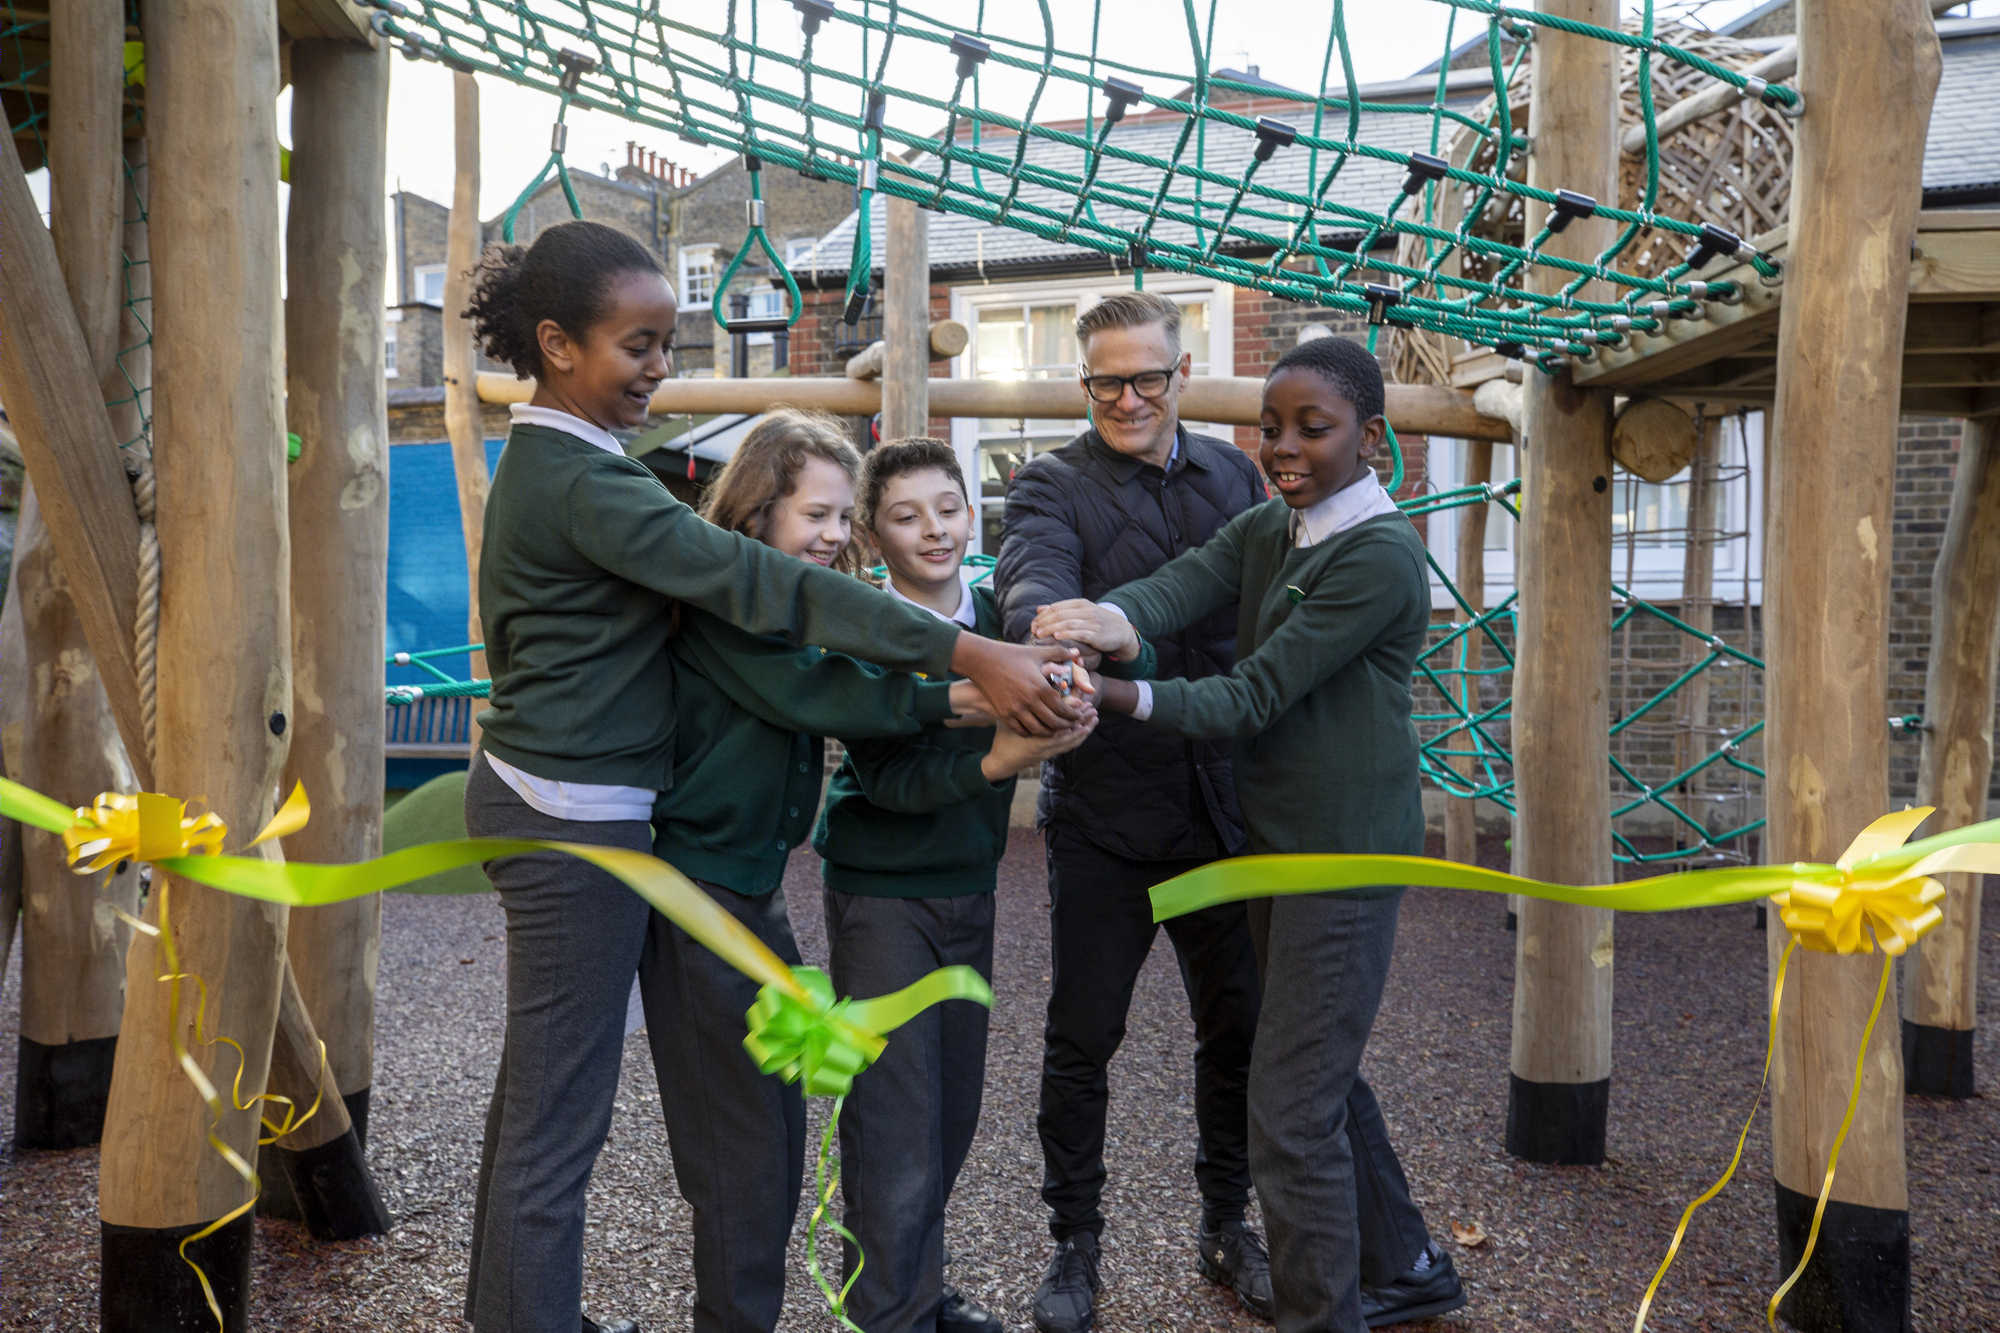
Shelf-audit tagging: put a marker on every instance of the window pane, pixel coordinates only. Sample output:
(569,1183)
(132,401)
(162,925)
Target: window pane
(1194,333)
(1655,514)
(1053,340)
(1001,352)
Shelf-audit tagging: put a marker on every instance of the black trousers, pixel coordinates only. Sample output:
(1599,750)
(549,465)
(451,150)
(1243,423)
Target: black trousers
(1100,931)
(906,1128)
(737,1136)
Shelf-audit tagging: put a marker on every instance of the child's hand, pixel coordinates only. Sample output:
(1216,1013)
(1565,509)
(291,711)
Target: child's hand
(1011,752)
(1089,625)
(969,707)
(1011,677)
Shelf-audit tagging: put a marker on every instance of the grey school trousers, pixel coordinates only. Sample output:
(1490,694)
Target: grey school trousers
(737,1136)
(1336,1205)
(906,1128)
(573,939)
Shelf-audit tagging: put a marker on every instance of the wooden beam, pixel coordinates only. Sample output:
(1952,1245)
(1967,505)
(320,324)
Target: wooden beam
(1941,982)
(53,400)
(461,360)
(86,111)
(1559,1091)
(1869,73)
(906,321)
(338,506)
(1461,830)
(1417,409)
(308,20)
(224,651)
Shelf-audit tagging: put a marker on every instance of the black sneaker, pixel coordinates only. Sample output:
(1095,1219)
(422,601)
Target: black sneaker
(1235,1256)
(1417,1294)
(959,1315)
(1066,1302)
(615,1326)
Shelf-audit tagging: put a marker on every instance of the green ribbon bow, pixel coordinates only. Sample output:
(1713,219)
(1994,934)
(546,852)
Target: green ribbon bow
(804,1034)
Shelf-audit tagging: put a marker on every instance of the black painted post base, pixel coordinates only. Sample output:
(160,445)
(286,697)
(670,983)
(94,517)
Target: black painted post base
(328,1188)
(357,1114)
(146,1288)
(1557,1124)
(1859,1277)
(1937,1062)
(61,1092)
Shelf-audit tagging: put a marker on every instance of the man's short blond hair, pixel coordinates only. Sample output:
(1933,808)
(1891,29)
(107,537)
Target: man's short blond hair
(1128,310)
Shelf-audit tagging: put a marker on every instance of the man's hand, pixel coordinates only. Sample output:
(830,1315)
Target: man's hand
(1012,752)
(1089,625)
(1011,677)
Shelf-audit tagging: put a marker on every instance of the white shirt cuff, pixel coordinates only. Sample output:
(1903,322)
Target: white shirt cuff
(1144,709)
(1116,610)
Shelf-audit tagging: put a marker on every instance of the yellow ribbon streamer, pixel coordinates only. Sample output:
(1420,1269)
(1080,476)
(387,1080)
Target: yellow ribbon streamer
(1881,891)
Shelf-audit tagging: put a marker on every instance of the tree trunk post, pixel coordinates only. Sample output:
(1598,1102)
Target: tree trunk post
(339,511)
(1941,981)
(1461,829)
(1560,1086)
(224,660)
(86,171)
(1704,521)
(1868,73)
(461,362)
(906,322)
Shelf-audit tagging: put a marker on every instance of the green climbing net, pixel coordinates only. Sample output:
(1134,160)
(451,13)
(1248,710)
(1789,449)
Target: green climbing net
(846,92)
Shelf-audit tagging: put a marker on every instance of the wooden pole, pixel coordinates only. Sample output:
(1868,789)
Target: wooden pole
(1413,409)
(906,322)
(224,656)
(461,363)
(86,172)
(1868,73)
(1559,1092)
(55,405)
(1941,982)
(1704,522)
(335,256)
(60,739)
(1461,832)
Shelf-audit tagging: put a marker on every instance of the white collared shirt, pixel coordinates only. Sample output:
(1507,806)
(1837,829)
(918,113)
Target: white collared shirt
(589,432)
(967,613)
(1358,502)
(583,802)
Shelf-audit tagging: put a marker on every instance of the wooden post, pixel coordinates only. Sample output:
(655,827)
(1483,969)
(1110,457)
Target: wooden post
(1868,73)
(906,321)
(1704,521)
(1941,983)
(461,363)
(60,735)
(1559,1092)
(224,656)
(339,512)
(60,739)
(1461,832)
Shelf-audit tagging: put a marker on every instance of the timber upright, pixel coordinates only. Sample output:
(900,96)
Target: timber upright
(1868,73)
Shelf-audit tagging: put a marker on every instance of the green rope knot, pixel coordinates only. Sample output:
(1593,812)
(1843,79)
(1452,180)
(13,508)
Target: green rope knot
(806,1036)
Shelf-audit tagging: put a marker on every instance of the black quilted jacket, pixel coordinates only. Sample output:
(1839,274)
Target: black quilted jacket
(1080,521)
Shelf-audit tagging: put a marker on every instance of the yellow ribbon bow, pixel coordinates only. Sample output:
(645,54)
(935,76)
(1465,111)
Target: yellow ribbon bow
(1880,884)
(149,827)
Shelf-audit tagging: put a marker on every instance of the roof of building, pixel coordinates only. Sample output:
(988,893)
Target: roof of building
(1961,166)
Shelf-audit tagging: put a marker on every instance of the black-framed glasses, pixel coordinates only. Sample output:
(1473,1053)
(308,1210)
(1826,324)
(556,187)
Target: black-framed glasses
(1147,384)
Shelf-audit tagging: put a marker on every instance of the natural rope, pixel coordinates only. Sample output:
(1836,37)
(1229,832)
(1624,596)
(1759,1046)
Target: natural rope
(146,623)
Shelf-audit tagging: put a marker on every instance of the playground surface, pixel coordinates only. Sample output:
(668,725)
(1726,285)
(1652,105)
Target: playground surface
(1563,1247)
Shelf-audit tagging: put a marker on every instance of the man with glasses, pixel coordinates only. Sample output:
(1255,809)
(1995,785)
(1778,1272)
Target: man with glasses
(1132,806)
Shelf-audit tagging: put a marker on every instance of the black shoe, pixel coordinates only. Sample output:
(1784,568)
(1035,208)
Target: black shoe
(958,1315)
(614,1326)
(1414,1295)
(1066,1302)
(1235,1256)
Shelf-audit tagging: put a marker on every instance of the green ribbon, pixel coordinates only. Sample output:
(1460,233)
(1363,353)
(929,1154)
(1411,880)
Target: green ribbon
(823,1042)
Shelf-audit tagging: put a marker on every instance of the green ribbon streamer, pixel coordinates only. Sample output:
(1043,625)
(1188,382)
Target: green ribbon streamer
(823,1042)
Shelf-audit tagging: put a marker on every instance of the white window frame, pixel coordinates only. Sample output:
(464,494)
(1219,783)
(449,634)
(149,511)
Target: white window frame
(1657,570)
(694,257)
(391,343)
(967,301)
(765,303)
(802,252)
(420,279)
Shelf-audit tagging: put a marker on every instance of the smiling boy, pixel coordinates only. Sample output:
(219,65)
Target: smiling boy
(1334,607)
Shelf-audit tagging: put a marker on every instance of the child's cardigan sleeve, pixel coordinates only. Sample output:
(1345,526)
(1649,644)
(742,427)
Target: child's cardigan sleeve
(809,689)
(914,776)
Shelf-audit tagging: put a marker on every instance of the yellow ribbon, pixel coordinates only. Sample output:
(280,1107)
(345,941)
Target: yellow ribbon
(1881,891)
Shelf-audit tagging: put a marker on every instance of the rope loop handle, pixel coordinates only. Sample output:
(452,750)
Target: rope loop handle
(755,237)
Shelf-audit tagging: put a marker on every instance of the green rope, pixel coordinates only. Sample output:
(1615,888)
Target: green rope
(754,238)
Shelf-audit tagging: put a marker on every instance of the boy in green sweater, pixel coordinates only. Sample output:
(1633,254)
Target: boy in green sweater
(912,837)
(1334,607)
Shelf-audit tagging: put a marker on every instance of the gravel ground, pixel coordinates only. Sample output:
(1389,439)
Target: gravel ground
(1566,1247)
